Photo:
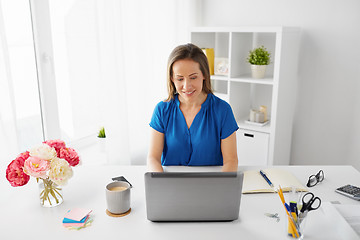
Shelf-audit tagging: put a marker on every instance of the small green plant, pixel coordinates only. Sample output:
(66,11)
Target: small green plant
(102,133)
(259,56)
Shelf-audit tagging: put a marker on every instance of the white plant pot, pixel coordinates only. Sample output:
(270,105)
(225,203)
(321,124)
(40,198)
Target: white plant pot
(102,144)
(103,156)
(258,71)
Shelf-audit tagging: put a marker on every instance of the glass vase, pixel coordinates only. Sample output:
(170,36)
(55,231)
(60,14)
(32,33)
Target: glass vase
(50,193)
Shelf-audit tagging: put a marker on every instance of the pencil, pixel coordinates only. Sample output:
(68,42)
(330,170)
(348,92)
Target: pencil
(291,221)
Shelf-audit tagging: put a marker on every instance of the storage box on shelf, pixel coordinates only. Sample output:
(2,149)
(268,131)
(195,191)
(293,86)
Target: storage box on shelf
(269,144)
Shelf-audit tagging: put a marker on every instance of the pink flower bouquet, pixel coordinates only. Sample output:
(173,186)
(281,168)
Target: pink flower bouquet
(51,162)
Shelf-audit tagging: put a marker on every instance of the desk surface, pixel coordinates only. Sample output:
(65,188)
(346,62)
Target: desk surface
(22,215)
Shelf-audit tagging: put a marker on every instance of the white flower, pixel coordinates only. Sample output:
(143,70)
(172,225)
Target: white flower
(43,151)
(60,171)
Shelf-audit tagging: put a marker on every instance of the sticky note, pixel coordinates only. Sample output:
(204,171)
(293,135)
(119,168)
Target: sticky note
(76,224)
(68,220)
(77,214)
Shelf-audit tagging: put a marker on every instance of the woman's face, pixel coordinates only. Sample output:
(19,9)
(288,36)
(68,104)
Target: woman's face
(188,80)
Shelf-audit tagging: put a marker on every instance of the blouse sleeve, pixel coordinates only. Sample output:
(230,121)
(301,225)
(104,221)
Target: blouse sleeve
(229,124)
(157,121)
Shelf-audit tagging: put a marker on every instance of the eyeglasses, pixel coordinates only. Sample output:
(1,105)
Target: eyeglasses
(315,179)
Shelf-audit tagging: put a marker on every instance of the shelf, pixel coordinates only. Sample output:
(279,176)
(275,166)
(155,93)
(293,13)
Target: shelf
(244,29)
(248,79)
(219,78)
(242,92)
(244,79)
(243,125)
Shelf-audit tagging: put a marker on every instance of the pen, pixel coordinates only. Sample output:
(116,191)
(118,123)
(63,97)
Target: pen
(293,211)
(293,219)
(266,178)
(287,207)
(293,207)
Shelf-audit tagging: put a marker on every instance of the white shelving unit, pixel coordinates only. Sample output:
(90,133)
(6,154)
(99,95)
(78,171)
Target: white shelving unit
(269,144)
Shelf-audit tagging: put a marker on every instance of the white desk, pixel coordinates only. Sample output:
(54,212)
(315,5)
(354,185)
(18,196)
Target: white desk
(24,218)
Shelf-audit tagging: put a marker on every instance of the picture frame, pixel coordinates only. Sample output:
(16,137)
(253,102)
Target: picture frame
(222,66)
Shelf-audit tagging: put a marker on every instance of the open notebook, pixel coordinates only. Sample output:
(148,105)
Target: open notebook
(255,183)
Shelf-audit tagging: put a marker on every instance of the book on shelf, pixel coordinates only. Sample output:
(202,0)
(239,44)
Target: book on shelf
(254,182)
(210,55)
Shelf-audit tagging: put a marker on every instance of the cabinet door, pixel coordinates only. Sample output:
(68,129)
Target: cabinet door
(252,147)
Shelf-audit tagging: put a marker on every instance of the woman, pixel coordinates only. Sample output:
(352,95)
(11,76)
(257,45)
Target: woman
(192,127)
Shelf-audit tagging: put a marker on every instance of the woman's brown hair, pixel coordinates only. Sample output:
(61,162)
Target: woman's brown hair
(188,51)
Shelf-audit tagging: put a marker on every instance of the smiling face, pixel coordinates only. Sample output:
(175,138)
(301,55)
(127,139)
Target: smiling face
(188,80)
(190,53)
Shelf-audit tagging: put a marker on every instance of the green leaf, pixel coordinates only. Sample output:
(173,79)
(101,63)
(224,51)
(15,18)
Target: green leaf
(102,133)
(259,56)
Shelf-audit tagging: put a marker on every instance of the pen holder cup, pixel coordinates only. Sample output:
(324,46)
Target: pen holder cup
(299,224)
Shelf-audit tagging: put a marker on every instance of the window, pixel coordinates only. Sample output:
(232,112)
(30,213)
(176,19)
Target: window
(99,63)
(20,117)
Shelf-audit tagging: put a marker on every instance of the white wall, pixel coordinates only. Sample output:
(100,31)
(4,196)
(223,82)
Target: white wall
(326,129)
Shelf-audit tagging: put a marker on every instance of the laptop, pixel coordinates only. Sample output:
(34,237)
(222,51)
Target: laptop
(193,196)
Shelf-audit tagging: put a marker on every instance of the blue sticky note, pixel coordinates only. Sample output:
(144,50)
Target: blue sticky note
(68,220)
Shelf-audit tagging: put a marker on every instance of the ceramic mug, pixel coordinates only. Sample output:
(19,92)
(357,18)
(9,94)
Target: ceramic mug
(118,197)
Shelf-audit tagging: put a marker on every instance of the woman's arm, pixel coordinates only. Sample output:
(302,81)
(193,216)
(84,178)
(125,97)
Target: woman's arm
(155,151)
(229,153)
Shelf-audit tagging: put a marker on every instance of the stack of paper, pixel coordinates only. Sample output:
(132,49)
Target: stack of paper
(77,218)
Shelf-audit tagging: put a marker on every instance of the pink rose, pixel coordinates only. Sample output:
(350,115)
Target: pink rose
(57,144)
(36,167)
(14,172)
(70,156)
(23,156)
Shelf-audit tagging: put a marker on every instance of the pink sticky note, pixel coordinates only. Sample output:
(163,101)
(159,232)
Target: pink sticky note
(77,213)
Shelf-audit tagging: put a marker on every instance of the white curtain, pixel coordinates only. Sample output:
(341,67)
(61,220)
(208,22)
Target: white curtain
(139,36)
(20,123)
(109,61)
(150,30)
(8,140)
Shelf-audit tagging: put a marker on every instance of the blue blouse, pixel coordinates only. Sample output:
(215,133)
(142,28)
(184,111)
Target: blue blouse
(199,145)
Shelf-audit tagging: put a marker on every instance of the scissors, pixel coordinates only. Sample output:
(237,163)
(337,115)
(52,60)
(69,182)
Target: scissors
(310,202)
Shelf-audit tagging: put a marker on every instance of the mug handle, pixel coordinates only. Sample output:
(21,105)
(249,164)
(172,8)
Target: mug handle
(121,178)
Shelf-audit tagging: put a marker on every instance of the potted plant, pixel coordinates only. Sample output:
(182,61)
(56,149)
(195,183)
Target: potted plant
(102,139)
(259,58)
